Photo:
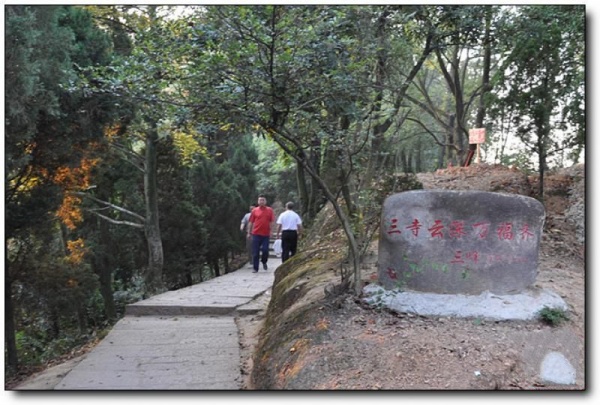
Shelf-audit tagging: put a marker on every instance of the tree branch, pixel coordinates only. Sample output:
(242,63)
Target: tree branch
(114,221)
(430,133)
(115,207)
(130,156)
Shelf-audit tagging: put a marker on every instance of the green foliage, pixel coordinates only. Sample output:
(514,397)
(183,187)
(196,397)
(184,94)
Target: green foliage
(31,348)
(94,311)
(49,126)
(439,123)
(541,80)
(396,183)
(39,349)
(520,159)
(58,303)
(120,248)
(220,190)
(183,220)
(553,316)
(128,293)
(377,302)
(276,174)
(35,69)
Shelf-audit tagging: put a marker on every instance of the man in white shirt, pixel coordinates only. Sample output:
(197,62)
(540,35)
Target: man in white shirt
(289,227)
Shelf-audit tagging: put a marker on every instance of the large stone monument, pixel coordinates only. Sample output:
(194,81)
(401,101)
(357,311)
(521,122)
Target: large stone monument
(459,242)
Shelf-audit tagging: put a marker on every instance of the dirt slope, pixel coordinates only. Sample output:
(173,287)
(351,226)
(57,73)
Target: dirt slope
(315,339)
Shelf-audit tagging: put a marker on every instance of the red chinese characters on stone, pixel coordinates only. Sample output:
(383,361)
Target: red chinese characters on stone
(457,229)
(525,232)
(436,229)
(505,231)
(473,256)
(414,227)
(457,257)
(460,257)
(482,229)
(393,227)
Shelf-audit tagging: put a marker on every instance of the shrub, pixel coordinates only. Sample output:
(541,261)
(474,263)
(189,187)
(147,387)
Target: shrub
(552,316)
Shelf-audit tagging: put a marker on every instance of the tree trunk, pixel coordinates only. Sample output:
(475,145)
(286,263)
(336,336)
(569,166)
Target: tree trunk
(459,105)
(81,319)
(103,269)
(440,160)
(354,253)
(459,139)
(153,276)
(354,250)
(315,196)
(450,140)
(542,165)
(227,269)
(456,129)
(485,82)
(403,160)
(303,195)
(379,128)
(347,193)
(418,166)
(347,186)
(541,181)
(53,318)
(201,273)
(215,266)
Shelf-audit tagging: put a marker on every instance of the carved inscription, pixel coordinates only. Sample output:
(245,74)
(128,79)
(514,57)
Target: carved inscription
(459,241)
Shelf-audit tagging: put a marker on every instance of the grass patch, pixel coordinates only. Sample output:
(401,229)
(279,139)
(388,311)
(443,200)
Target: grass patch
(553,316)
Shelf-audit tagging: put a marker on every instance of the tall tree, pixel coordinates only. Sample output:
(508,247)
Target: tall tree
(263,79)
(50,125)
(414,23)
(542,79)
(462,62)
(485,79)
(148,76)
(304,88)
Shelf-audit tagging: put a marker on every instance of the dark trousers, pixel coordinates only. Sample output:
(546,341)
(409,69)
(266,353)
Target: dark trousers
(289,243)
(260,244)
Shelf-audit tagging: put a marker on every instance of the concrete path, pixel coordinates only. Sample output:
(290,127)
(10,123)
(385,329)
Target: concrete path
(180,340)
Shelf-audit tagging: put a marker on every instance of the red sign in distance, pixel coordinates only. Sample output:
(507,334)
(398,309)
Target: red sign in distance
(477,135)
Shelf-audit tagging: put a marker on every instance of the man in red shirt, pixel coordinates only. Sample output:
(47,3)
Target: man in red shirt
(259,229)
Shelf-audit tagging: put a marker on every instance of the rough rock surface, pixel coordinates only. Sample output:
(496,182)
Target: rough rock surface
(459,242)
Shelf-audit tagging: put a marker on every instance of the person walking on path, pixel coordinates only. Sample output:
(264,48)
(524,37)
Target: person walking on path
(259,229)
(244,228)
(289,226)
